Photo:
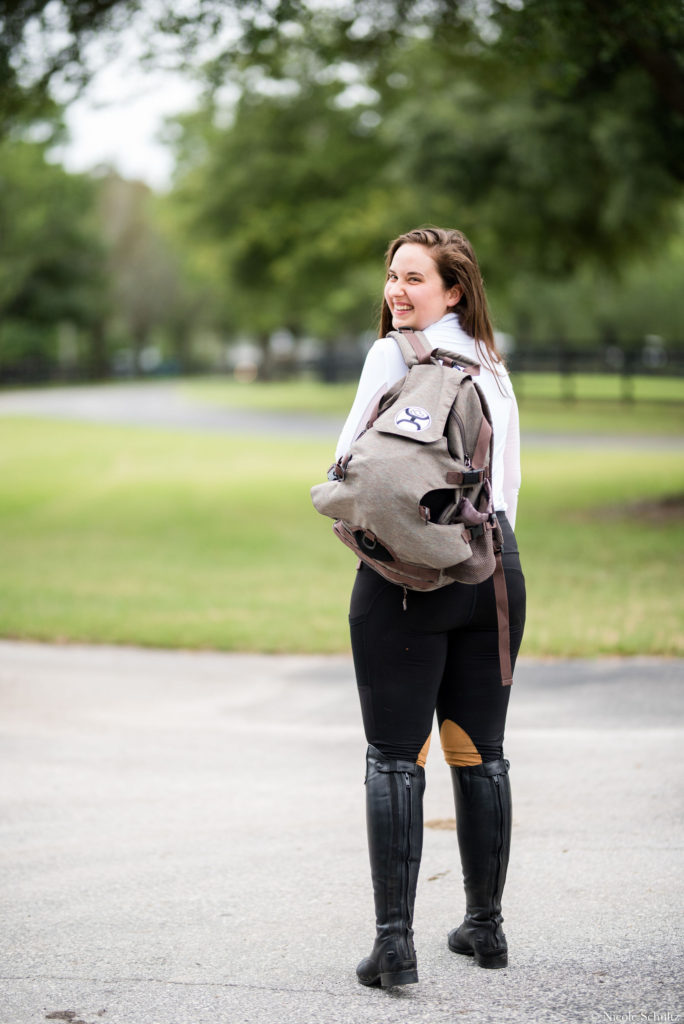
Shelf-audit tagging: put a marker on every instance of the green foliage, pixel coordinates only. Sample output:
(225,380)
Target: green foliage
(42,40)
(551,131)
(47,239)
(543,132)
(584,49)
(593,307)
(290,193)
(547,144)
(137,536)
(27,350)
(149,276)
(50,254)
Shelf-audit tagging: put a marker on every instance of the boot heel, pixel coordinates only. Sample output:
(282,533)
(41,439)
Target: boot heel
(391,978)
(494,960)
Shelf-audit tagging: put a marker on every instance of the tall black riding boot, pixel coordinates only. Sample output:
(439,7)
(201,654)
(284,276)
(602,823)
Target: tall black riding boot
(394,818)
(482,794)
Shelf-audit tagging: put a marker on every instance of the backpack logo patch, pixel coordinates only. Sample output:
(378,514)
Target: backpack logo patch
(413,419)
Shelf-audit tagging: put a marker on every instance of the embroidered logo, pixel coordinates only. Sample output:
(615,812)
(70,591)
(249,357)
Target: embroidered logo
(413,419)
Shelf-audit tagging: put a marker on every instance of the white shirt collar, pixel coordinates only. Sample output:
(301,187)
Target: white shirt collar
(448,331)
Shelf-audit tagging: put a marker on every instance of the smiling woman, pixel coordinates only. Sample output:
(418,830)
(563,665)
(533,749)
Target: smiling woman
(450,282)
(437,650)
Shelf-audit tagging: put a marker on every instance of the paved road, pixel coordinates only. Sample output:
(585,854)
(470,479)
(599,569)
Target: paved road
(166,404)
(182,842)
(158,404)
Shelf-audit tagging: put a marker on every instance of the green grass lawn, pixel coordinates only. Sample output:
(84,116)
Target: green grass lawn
(658,409)
(599,386)
(141,536)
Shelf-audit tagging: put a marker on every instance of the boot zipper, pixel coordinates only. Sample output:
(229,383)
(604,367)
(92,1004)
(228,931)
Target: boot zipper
(407,879)
(499,849)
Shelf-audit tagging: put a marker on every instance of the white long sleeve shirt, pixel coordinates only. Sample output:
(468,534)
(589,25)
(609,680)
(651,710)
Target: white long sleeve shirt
(385,365)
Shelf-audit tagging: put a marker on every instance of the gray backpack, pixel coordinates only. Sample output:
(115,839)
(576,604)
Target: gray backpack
(412,497)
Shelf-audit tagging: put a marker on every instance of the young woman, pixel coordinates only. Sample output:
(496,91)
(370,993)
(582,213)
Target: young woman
(441,653)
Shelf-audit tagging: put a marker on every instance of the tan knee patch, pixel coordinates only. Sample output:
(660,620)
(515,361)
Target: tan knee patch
(459,749)
(422,756)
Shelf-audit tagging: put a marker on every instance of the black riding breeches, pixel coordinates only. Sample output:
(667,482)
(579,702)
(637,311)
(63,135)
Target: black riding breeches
(441,653)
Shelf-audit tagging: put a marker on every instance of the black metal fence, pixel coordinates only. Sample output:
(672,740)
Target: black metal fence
(564,362)
(341,363)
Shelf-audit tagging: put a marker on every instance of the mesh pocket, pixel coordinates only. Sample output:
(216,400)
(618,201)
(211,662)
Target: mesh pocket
(479,566)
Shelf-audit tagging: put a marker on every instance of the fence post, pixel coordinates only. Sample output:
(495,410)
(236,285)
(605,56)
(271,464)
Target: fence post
(568,382)
(627,376)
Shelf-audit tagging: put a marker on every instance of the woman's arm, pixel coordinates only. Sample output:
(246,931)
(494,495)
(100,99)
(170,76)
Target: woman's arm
(511,464)
(373,378)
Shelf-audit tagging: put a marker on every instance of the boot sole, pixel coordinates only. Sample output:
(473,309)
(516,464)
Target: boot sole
(493,962)
(398,978)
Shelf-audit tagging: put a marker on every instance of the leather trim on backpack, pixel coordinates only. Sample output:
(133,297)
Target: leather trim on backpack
(417,341)
(482,443)
(417,577)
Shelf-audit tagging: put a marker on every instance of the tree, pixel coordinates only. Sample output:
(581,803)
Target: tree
(41,40)
(291,192)
(154,283)
(602,84)
(51,260)
(550,130)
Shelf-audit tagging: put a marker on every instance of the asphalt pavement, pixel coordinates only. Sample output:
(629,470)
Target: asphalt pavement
(182,841)
(168,405)
(161,404)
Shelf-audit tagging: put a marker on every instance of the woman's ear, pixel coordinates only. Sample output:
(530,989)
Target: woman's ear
(454,296)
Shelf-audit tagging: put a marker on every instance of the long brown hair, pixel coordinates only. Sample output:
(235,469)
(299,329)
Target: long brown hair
(457,265)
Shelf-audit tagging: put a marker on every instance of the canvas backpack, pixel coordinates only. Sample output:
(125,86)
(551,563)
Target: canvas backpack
(412,497)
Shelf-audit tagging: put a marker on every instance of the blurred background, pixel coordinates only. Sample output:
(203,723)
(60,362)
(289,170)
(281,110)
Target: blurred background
(195,200)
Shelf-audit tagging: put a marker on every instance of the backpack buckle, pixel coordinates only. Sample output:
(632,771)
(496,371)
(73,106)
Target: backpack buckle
(472,476)
(338,470)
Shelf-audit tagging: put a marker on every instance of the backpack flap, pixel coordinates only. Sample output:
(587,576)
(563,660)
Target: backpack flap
(429,391)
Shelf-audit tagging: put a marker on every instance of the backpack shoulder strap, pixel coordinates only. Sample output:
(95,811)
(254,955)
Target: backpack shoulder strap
(414,346)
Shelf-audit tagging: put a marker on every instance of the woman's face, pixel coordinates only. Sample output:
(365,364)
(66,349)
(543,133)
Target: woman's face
(415,292)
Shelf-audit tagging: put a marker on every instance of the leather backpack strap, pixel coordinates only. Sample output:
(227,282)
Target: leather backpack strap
(413,345)
(502,615)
